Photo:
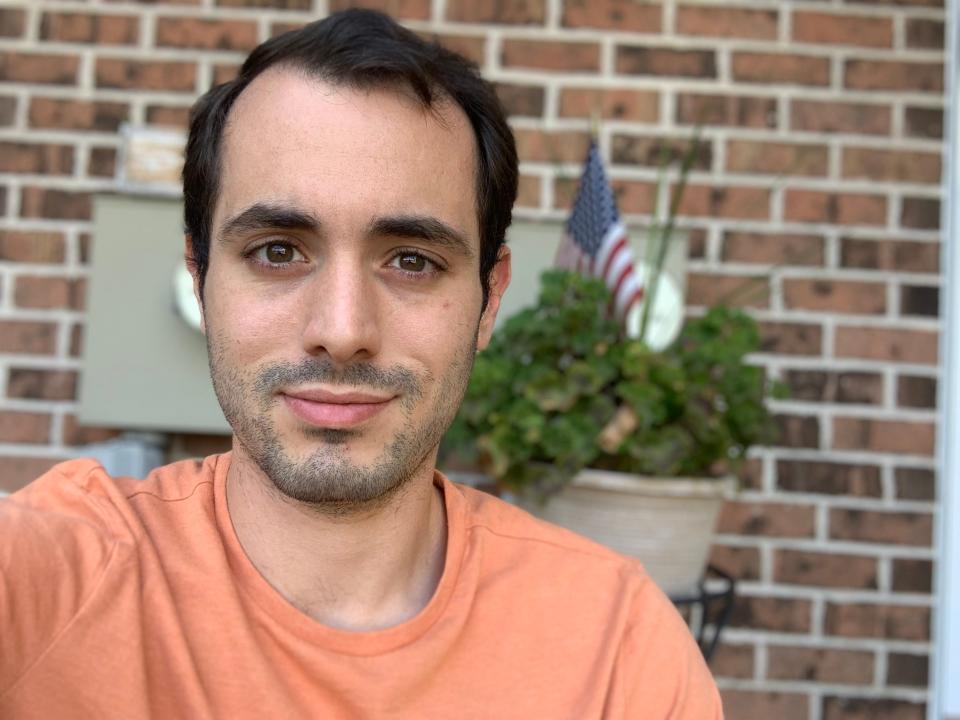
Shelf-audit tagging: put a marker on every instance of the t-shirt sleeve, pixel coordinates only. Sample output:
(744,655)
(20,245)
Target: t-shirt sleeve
(55,547)
(660,672)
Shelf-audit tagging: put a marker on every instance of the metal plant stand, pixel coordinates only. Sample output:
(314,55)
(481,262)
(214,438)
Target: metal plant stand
(708,610)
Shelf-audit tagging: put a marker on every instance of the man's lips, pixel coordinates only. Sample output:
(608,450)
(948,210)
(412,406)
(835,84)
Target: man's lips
(334,410)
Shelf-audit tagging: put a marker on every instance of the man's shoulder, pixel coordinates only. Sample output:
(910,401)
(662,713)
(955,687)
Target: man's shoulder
(516,532)
(81,493)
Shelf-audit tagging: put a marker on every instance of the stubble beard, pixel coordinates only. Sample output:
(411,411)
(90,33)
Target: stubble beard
(327,478)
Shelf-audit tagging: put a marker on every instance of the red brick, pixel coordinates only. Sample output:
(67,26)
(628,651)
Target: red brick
(893,75)
(800,567)
(771,614)
(840,117)
(773,249)
(846,708)
(225,72)
(888,436)
(874,526)
(47,159)
(76,340)
(634,197)
(733,201)
(509,12)
(835,29)
(37,202)
(276,4)
(920,300)
(471,47)
(17,472)
(915,391)
(923,122)
(835,296)
(619,15)
(915,483)
(13,21)
(168,116)
(41,68)
(783,338)
(90,28)
(925,33)
(912,575)
(887,344)
(706,290)
(611,104)
(24,427)
(279,28)
(859,388)
(551,146)
(729,110)
(28,337)
(829,478)
(653,151)
(920,213)
(790,159)
(35,384)
(124,74)
(780,69)
(797,431)
(528,194)
(31,247)
(909,670)
(815,664)
(817,206)
(63,114)
(732,661)
(766,519)
(102,162)
(551,55)
(49,292)
(401,9)
(521,100)
(77,434)
(666,62)
(206,34)
(742,563)
(870,620)
(891,165)
(896,255)
(727,22)
(764,704)
(8,110)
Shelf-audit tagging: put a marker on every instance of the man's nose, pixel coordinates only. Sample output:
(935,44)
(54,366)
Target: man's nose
(342,309)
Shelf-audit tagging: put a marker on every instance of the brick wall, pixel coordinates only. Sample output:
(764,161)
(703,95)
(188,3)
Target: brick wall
(819,179)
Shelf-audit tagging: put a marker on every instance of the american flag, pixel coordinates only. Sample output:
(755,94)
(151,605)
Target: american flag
(595,242)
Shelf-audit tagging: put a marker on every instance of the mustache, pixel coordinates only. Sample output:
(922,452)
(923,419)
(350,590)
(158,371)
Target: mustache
(360,374)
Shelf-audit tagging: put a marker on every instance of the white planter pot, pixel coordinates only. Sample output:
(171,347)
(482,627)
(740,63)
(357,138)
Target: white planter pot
(666,523)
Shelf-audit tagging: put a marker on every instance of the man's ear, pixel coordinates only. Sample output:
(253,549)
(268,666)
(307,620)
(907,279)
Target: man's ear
(191,262)
(499,280)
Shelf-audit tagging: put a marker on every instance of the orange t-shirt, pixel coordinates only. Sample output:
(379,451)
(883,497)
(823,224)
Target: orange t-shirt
(130,599)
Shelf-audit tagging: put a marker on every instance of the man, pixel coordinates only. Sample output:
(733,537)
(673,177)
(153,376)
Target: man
(346,201)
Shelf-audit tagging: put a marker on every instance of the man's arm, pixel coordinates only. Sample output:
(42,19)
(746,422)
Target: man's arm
(53,553)
(661,673)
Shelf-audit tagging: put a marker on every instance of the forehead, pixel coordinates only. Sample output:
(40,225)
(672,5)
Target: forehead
(346,154)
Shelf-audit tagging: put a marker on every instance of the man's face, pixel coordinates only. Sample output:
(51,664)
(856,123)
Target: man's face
(342,304)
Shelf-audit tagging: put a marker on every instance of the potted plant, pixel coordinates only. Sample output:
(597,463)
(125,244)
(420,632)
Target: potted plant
(597,432)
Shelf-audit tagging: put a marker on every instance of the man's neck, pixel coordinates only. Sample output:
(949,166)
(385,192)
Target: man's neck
(362,570)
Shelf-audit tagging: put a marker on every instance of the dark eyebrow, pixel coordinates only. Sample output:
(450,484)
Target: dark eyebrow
(425,228)
(263,216)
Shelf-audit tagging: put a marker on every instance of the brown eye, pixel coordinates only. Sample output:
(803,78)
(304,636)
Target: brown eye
(412,263)
(278,254)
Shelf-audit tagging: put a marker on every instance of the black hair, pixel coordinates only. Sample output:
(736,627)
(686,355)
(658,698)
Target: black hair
(361,49)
